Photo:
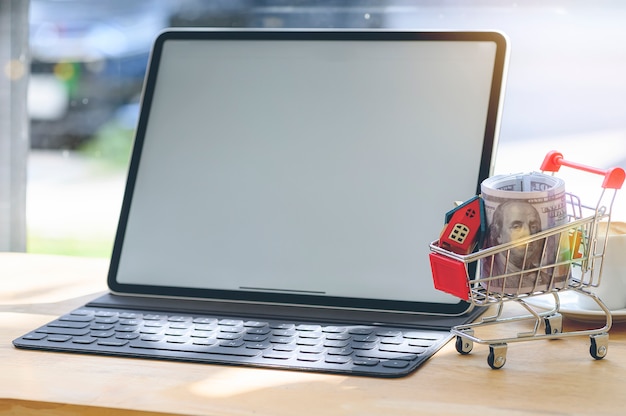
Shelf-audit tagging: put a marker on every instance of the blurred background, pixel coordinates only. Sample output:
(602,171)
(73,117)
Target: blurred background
(566,88)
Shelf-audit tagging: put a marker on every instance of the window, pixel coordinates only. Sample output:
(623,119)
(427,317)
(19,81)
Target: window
(565,89)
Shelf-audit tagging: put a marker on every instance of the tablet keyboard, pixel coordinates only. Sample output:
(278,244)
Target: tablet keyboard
(369,350)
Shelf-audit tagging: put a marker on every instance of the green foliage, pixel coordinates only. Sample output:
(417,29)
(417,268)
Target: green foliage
(68,246)
(112,145)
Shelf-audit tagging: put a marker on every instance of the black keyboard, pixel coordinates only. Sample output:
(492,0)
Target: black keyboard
(369,350)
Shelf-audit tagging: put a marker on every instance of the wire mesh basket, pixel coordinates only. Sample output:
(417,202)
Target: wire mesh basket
(570,258)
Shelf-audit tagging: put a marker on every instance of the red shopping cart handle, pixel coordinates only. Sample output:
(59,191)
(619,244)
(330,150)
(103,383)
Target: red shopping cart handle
(613,178)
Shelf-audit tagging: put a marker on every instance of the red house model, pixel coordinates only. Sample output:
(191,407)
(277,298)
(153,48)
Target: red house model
(465,227)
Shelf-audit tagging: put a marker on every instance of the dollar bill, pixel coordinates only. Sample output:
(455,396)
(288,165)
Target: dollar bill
(518,206)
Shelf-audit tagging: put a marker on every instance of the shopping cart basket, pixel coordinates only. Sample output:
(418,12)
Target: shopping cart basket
(576,265)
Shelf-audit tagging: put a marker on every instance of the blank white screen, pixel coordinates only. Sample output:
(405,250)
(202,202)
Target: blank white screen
(306,167)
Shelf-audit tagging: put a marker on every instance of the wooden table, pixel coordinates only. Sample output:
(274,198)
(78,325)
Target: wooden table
(540,377)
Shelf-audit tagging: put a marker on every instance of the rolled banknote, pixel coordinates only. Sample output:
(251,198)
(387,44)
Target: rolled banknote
(516,207)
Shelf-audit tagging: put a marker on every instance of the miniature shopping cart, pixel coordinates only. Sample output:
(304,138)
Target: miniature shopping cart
(575,264)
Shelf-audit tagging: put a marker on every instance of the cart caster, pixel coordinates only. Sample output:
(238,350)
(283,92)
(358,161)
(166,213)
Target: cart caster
(497,356)
(554,324)
(464,345)
(599,346)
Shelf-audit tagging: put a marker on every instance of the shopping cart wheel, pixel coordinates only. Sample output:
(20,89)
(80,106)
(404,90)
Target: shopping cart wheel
(497,356)
(464,345)
(554,324)
(599,345)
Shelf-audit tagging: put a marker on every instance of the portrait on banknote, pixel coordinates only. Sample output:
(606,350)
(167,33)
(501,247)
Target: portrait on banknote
(518,207)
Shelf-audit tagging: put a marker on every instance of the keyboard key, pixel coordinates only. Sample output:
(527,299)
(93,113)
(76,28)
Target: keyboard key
(284,332)
(389,333)
(126,328)
(154,324)
(102,334)
(395,363)
(337,359)
(112,342)
(106,320)
(361,330)
(241,352)
(228,335)
(180,325)
(201,334)
(59,338)
(254,324)
(366,361)
(106,313)
(152,331)
(282,340)
(258,345)
(178,318)
(405,349)
(129,335)
(232,343)
(392,340)
(76,318)
(309,328)
(254,338)
(230,322)
(83,340)
(63,331)
(83,312)
(317,349)
(311,334)
(101,327)
(385,355)
(363,345)
(130,315)
(365,338)
(34,336)
(307,341)
(336,344)
(206,327)
(421,335)
(277,355)
(208,321)
(231,329)
(258,331)
(338,336)
(333,329)
(69,324)
(151,338)
(176,340)
(282,325)
(154,317)
(309,357)
(420,343)
(204,341)
(340,351)
(285,347)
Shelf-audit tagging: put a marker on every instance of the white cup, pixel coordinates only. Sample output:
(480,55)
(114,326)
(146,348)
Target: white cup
(612,288)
